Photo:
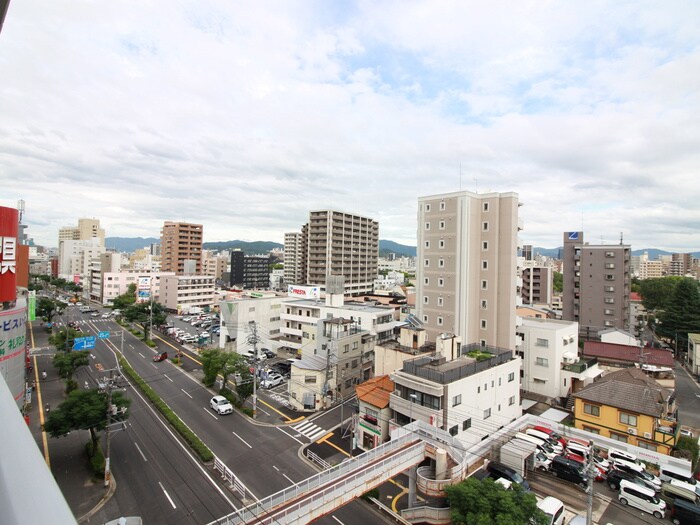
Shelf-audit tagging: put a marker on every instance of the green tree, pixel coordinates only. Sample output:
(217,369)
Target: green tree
(140,313)
(125,300)
(85,409)
(63,339)
(46,308)
(485,502)
(682,313)
(68,362)
(211,365)
(657,293)
(558,281)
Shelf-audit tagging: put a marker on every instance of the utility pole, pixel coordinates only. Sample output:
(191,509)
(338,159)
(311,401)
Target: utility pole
(590,468)
(253,340)
(109,422)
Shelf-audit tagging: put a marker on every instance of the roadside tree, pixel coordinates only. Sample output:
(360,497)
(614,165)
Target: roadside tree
(140,313)
(46,308)
(64,338)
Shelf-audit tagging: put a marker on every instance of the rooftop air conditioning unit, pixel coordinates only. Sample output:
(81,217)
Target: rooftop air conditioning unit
(632,431)
(647,435)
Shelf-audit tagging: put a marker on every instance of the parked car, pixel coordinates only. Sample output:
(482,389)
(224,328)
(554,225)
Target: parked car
(267,353)
(642,498)
(600,473)
(272,380)
(542,462)
(685,513)
(186,319)
(221,405)
(160,356)
(569,470)
(675,489)
(106,315)
(552,434)
(553,509)
(615,477)
(499,470)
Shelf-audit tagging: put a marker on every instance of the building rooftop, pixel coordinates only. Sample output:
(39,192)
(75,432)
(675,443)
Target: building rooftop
(627,353)
(376,391)
(629,389)
(314,362)
(358,307)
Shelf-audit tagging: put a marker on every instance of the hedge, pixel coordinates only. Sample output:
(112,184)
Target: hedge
(195,443)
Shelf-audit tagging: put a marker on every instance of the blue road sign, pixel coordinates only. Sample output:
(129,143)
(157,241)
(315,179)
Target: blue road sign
(84,343)
(103,335)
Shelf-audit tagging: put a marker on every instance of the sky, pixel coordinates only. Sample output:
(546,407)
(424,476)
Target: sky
(244,116)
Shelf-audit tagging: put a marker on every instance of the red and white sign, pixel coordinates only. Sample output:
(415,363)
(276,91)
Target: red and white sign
(9,224)
(304,292)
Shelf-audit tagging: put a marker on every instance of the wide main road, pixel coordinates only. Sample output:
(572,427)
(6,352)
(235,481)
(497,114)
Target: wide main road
(263,457)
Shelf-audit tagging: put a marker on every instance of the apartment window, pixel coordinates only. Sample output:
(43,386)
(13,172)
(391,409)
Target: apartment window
(609,288)
(511,401)
(542,361)
(482,343)
(487,413)
(486,387)
(426,263)
(609,276)
(427,244)
(440,301)
(610,254)
(542,342)
(622,438)
(592,430)
(439,321)
(425,318)
(427,207)
(427,225)
(499,381)
(628,419)
(442,206)
(485,245)
(484,284)
(441,281)
(478,390)
(354,363)
(467,424)
(457,400)
(485,226)
(484,304)
(608,311)
(454,430)
(426,281)
(511,377)
(484,265)
(647,446)
(441,244)
(593,410)
(609,300)
(425,299)
(441,263)
(609,266)
(483,324)
(608,323)
(346,349)
(486,206)
(309,379)
(442,225)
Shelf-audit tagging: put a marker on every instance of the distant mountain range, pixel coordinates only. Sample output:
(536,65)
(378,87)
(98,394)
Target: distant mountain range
(386,247)
(130,244)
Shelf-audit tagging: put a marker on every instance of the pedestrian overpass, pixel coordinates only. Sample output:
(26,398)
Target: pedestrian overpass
(332,488)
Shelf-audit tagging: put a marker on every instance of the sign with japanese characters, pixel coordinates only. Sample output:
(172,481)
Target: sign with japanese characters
(8,254)
(304,292)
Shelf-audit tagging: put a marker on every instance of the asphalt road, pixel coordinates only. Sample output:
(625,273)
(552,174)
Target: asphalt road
(688,399)
(264,457)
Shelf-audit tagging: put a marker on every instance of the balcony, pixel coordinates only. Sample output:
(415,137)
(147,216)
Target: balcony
(414,411)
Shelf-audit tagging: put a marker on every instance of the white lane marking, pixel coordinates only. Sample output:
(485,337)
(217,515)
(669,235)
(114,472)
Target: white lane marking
(263,411)
(142,355)
(336,519)
(140,452)
(131,346)
(288,434)
(168,378)
(154,366)
(185,391)
(289,479)
(274,467)
(209,412)
(167,495)
(243,440)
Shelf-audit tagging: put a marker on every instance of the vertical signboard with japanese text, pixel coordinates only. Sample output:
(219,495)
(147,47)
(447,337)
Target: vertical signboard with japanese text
(13,332)
(143,290)
(9,224)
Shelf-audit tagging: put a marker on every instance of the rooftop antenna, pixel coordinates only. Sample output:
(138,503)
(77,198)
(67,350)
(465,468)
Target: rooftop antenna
(20,209)
(476,185)
(460,176)
(621,239)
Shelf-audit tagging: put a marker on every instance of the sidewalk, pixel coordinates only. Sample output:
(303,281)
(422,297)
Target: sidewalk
(66,456)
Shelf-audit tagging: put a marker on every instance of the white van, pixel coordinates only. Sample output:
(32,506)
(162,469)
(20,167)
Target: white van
(614,453)
(554,509)
(542,446)
(642,498)
(545,437)
(577,448)
(668,472)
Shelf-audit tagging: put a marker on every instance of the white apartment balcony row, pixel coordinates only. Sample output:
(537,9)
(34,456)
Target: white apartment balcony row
(291,331)
(299,318)
(415,411)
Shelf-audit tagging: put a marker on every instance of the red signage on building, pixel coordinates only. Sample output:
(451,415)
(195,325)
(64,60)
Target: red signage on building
(9,221)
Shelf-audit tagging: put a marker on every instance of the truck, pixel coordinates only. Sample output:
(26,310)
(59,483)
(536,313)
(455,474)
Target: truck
(519,455)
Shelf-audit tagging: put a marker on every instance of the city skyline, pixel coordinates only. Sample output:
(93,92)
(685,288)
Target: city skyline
(245,117)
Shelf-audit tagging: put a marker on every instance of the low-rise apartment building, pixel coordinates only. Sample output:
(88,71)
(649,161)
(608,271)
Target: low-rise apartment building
(186,293)
(117,283)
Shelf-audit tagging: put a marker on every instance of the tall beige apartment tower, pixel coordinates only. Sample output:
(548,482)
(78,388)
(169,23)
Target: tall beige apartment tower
(181,248)
(466,266)
(337,243)
(87,229)
(596,285)
(292,257)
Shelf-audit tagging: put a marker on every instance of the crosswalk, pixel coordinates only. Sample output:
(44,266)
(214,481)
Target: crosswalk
(310,430)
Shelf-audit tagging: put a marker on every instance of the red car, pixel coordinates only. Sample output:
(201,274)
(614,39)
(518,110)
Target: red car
(552,434)
(161,356)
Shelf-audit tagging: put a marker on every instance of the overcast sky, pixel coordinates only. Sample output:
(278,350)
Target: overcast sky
(244,116)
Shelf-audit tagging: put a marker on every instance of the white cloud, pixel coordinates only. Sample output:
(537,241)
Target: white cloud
(245,116)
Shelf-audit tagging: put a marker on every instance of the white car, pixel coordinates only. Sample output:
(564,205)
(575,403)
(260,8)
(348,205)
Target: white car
(106,316)
(221,405)
(542,462)
(272,381)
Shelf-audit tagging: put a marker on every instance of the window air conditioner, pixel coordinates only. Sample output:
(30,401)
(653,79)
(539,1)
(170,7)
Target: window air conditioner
(632,431)
(647,435)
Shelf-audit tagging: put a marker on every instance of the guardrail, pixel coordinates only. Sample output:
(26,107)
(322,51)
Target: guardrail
(228,475)
(317,459)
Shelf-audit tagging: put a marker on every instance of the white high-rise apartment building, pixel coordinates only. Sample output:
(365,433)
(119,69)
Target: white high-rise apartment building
(467,266)
(292,257)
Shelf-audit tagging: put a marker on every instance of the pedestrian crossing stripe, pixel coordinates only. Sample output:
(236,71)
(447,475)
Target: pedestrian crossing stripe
(310,430)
